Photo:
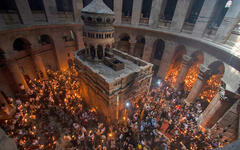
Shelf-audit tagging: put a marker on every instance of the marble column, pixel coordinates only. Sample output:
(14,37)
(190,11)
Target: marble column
(5,84)
(17,74)
(77,6)
(39,65)
(51,11)
(61,53)
(132,46)
(203,76)
(118,11)
(148,48)
(180,14)
(155,12)
(230,20)
(136,12)
(164,4)
(215,110)
(187,62)
(79,38)
(24,11)
(204,17)
(96,53)
(166,58)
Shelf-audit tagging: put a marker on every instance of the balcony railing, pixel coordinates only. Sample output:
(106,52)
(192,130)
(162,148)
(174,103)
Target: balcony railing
(164,23)
(144,21)
(126,19)
(39,16)
(187,27)
(65,16)
(11,17)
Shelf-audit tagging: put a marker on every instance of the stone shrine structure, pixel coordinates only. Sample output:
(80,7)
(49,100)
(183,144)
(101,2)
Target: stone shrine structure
(109,78)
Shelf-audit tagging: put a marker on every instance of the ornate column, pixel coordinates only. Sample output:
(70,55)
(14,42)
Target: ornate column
(61,53)
(77,6)
(187,62)
(79,38)
(132,46)
(204,17)
(215,110)
(155,12)
(17,74)
(230,20)
(203,76)
(24,11)
(50,10)
(39,65)
(180,14)
(148,48)
(136,11)
(96,54)
(118,11)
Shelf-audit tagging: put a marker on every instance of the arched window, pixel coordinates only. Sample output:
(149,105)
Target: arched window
(45,39)
(21,44)
(92,51)
(139,46)
(159,47)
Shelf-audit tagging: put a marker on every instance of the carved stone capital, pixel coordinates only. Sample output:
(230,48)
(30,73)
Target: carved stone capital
(187,60)
(204,73)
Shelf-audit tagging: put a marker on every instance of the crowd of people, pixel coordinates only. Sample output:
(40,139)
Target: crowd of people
(52,115)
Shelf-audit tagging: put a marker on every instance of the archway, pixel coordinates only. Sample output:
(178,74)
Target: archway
(191,77)
(124,44)
(176,65)
(92,51)
(139,46)
(100,51)
(45,39)
(212,85)
(49,57)
(158,48)
(21,44)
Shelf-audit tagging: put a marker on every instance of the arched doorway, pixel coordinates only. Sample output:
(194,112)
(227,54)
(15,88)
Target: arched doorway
(49,57)
(92,51)
(100,51)
(191,77)
(124,44)
(176,65)
(158,48)
(212,85)
(139,46)
(21,44)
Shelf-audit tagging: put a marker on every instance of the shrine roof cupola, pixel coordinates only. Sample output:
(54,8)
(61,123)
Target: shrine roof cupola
(97,12)
(98,30)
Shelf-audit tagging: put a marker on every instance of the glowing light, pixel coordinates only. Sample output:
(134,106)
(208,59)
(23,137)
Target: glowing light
(127,104)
